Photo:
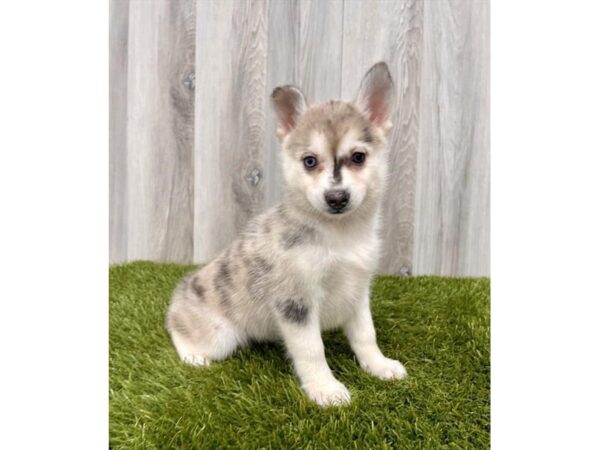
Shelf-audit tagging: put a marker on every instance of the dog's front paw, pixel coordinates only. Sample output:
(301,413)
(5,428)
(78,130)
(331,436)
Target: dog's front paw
(386,369)
(330,393)
(195,360)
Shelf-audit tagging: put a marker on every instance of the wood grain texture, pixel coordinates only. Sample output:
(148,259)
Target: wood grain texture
(231,51)
(193,153)
(160,130)
(305,49)
(117,101)
(319,70)
(452,190)
(390,31)
(282,68)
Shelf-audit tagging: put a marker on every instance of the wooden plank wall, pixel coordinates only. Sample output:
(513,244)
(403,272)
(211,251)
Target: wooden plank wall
(452,228)
(118,56)
(160,129)
(231,47)
(193,151)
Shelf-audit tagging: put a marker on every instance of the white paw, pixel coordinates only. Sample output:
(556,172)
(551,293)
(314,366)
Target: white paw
(330,393)
(386,369)
(195,360)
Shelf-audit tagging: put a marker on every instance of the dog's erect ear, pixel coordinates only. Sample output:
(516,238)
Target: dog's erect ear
(289,104)
(376,95)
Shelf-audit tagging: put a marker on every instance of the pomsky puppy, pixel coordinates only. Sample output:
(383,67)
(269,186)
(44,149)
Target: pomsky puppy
(304,265)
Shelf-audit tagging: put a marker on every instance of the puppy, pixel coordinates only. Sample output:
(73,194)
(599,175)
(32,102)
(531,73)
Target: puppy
(304,265)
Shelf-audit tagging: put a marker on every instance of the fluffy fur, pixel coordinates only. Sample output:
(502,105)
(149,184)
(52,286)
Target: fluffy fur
(304,265)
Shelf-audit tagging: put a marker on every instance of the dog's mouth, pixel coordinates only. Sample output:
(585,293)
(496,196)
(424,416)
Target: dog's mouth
(338,211)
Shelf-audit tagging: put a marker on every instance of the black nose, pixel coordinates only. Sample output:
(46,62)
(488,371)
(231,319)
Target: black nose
(337,199)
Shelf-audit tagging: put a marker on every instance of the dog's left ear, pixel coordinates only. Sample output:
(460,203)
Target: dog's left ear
(289,104)
(376,96)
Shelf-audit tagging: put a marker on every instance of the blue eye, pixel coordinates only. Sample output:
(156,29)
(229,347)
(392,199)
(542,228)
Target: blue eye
(310,162)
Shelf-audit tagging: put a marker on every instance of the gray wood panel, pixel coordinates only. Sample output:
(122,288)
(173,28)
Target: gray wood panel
(282,68)
(231,50)
(390,31)
(452,190)
(117,133)
(160,113)
(193,153)
(319,70)
(305,49)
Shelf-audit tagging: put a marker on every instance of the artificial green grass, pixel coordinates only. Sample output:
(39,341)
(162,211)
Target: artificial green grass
(438,327)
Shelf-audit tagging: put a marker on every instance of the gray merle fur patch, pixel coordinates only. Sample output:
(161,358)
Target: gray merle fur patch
(223,282)
(197,287)
(294,310)
(257,283)
(297,235)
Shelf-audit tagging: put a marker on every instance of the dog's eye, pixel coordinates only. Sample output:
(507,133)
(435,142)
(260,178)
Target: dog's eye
(358,157)
(310,162)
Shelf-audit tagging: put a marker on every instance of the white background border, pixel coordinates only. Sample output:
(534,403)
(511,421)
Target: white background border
(54,227)
(545,224)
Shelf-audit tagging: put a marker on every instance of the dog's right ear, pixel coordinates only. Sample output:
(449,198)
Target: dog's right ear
(289,104)
(376,96)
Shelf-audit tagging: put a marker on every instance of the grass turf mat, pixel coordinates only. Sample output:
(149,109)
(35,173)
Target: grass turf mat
(438,327)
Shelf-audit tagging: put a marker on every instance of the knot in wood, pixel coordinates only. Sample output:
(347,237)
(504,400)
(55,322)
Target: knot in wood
(405,271)
(190,81)
(254,177)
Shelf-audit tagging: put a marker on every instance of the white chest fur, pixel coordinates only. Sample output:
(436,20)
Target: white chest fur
(340,269)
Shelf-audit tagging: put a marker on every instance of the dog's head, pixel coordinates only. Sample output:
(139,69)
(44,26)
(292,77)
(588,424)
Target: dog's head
(333,153)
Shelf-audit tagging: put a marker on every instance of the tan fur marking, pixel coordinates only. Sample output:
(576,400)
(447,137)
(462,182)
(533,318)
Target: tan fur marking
(333,120)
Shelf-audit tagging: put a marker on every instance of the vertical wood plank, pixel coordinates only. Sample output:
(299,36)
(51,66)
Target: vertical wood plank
(118,34)
(390,30)
(282,62)
(452,197)
(305,49)
(231,51)
(160,130)
(319,70)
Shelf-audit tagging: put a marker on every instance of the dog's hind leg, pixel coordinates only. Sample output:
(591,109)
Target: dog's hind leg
(198,342)
(200,331)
